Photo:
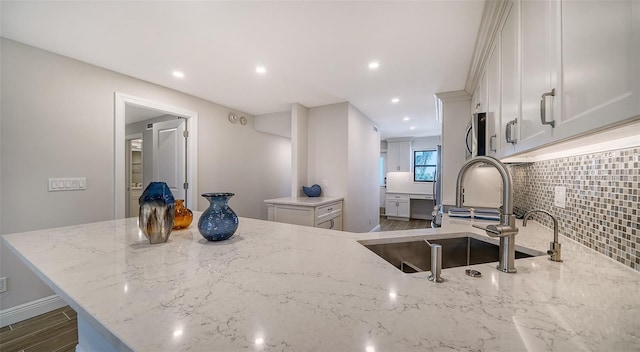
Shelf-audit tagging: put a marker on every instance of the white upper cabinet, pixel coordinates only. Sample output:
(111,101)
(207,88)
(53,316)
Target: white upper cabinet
(398,156)
(479,99)
(493,100)
(600,64)
(565,68)
(510,80)
(538,72)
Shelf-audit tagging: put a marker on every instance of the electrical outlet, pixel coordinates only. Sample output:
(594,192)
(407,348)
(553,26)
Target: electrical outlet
(559,199)
(3,284)
(325,183)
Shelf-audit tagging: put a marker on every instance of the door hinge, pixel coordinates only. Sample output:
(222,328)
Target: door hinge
(186,185)
(185,134)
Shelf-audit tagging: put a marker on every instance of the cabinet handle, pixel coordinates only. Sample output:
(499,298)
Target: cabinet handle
(543,108)
(331,227)
(508,135)
(491,143)
(329,210)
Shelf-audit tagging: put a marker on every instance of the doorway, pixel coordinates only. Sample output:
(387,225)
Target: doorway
(175,144)
(134,175)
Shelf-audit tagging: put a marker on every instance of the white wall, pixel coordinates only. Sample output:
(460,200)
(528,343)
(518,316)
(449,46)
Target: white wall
(362,201)
(278,123)
(299,148)
(58,121)
(344,151)
(425,143)
(327,159)
(455,114)
(482,185)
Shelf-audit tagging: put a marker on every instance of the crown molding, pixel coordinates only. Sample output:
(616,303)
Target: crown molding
(493,15)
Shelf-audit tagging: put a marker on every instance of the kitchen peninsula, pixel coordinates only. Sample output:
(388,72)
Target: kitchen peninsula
(276,286)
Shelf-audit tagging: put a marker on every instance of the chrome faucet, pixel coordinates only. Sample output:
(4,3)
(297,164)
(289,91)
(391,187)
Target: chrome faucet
(555,251)
(506,230)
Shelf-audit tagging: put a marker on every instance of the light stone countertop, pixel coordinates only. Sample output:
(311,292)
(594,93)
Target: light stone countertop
(304,201)
(281,287)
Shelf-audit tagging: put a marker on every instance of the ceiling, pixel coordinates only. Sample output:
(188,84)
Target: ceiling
(315,53)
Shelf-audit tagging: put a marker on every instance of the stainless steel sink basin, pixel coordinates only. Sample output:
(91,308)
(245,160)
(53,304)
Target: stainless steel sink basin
(413,254)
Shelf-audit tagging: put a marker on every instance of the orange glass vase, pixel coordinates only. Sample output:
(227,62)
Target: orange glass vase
(183,216)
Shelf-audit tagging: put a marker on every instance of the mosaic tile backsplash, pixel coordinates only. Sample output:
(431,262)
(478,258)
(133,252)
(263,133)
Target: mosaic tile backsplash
(602,202)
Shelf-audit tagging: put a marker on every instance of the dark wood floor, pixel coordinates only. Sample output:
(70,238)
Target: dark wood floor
(395,225)
(56,331)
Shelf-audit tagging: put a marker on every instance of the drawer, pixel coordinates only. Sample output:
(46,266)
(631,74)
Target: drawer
(422,196)
(328,209)
(332,224)
(397,196)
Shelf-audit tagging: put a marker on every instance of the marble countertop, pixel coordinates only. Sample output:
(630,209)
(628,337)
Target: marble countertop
(304,201)
(283,287)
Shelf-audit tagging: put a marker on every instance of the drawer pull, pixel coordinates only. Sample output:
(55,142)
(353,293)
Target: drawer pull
(329,209)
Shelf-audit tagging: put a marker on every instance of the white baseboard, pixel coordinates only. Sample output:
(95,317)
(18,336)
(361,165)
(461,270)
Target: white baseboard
(30,309)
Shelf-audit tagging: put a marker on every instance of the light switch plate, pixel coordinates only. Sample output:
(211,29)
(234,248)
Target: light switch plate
(67,184)
(559,199)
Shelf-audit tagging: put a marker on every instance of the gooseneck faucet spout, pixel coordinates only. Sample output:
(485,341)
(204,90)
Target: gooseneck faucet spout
(555,251)
(507,229)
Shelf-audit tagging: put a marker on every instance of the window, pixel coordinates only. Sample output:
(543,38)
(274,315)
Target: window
(425,163)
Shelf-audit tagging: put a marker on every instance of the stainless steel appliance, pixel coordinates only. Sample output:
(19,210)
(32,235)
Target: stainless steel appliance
(476,136)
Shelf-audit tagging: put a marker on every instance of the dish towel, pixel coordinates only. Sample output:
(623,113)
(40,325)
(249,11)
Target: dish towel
(460,212)
(481,214)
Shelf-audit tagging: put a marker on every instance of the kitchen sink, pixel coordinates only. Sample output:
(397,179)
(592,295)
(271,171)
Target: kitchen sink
(413,254)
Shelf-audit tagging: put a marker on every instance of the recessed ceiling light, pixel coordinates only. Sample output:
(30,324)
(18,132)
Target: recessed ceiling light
(395,100)
(261,69)
(178,74)
(406,118)
(373,65)
(412,127)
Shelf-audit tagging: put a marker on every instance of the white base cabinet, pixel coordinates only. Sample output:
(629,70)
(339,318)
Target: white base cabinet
(397,206)
(320,212)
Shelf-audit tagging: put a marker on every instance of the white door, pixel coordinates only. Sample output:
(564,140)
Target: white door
(169,159)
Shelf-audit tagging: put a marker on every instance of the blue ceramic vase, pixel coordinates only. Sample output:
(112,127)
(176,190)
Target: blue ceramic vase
(156,212)
(218,222)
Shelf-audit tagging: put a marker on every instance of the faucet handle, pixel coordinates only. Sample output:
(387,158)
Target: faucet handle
(490,229)
(498,230)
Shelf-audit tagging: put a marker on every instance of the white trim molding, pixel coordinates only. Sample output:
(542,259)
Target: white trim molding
(30,309)
(121,101)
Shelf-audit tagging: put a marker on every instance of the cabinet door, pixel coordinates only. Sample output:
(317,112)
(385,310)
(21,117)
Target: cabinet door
(391,208)
(404,156)
(600,64)
(479,100)
(494,134)
(510,78)
(392,157)
(538,71)
(399,156)
(403,209)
